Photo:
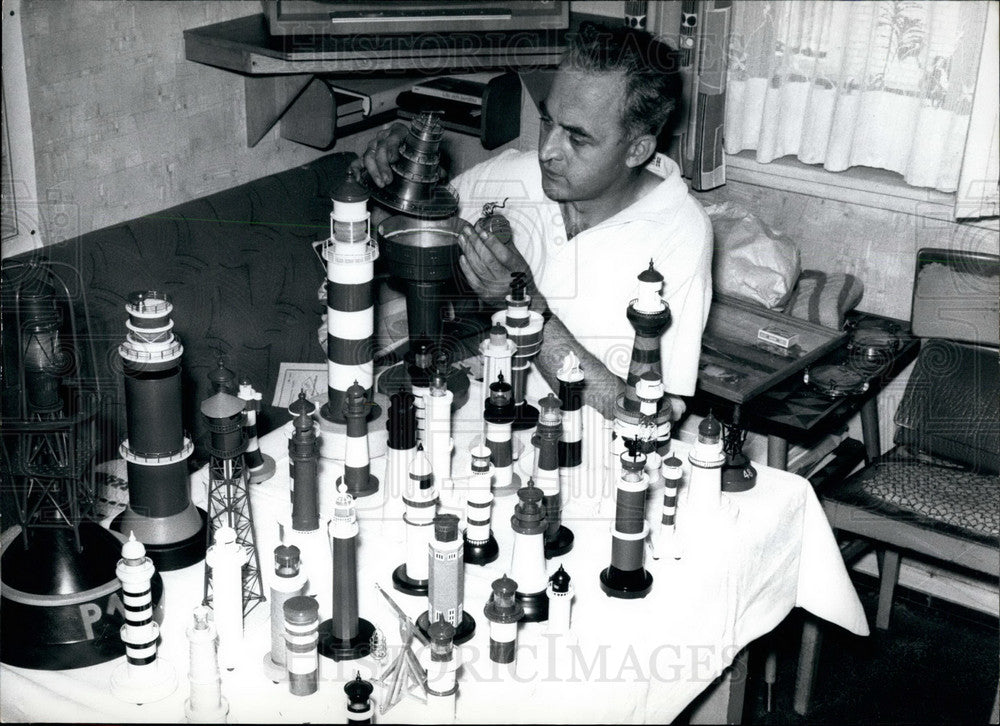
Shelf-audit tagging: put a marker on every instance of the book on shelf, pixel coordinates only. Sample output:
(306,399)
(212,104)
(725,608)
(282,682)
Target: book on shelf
(461,90)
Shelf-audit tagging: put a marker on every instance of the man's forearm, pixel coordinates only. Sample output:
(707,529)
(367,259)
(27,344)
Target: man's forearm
(602,386)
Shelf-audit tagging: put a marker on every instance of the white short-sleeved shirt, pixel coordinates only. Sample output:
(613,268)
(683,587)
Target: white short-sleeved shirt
(590,280)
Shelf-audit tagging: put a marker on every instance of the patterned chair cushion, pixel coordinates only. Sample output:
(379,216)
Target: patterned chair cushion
(949,495)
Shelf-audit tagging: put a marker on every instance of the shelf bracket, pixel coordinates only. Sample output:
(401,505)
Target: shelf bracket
(267,98)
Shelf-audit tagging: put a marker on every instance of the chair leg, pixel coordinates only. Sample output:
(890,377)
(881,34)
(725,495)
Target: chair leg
(888,577)
(995,716)
(812,639)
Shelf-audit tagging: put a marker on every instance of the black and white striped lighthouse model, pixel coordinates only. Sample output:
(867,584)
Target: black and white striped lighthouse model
(480,545)
(357,476)
(259,465)
(524,327)
(420,500)
(350,254)
(160,512)
(571,385)
(345,636)
(626,577)
(558,538)
(527,559)
(288,582)
(498,413)
(437,435)
(143,677)
(665,543)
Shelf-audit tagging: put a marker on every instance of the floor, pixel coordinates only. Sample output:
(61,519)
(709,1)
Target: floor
(937,664)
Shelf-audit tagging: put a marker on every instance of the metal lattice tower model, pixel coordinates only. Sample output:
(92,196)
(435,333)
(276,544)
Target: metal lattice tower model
(228,492)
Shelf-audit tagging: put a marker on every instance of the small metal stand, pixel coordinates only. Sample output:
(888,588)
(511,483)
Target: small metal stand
(404,676)
(738,474)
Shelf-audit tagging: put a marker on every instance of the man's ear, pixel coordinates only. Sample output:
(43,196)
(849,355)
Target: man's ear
(640,150)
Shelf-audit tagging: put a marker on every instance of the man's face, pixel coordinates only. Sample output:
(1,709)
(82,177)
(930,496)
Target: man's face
(581,144)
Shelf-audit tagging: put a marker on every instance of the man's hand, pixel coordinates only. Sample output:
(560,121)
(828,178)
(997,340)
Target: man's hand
(382,151)
(487,264)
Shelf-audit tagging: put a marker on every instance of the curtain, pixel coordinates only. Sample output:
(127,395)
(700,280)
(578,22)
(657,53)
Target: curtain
(880,84)
(703,39)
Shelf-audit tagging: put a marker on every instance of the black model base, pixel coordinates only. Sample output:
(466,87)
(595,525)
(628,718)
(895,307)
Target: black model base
(407,585)
(463,633)
(345,648)
(535,604)
(525,417)
(363,491)
(625,585)
(175,555)
(560,544)
(62,608)
(738,474)
(482,553)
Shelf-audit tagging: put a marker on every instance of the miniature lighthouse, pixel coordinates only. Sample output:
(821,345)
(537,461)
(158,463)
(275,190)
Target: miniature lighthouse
(571,385)
(259,464)
(707,458)
(499,415)
(558,538)
(345,636)
(303,455)
(665,543)
(504,613)
(143,677)
(359,704)
(480,545)
(561,593)
(446,589)
(358,479)
(524,327)
(402,444)
(288,582)
(497,350)
(626,577)
(441,660)
(206,704)
(421,501)
(226,559)
(527,562)
(438,441)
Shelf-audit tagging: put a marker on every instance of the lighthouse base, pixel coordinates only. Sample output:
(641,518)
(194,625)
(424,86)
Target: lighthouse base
(525,417)
(626,584)
(365,490)
(264,472)
(407,585)
(173,542)
(336,648)
(481,553)
(560,544)
(463,633)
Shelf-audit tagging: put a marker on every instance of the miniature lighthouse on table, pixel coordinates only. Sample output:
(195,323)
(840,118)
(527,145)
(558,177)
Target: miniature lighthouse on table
(421,501)
(480,545)
(626,577)
(446,588)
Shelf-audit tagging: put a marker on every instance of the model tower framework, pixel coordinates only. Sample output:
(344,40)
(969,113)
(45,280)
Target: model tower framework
(228,490)
(160,511)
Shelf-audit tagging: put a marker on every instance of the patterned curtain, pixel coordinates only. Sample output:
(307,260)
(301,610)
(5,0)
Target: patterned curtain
(880,84)
(703,40)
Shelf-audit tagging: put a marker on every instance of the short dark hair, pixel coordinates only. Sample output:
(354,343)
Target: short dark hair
(651,68)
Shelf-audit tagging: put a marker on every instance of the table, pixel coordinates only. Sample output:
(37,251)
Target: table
(627,661)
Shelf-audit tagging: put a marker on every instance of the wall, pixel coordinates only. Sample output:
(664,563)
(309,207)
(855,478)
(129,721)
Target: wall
(124,125)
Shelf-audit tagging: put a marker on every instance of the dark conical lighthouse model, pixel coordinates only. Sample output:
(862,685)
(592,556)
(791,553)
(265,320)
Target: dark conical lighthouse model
(357,477)
(527,560)
(558,538)
(160,512)
(345,636)
(303,457)
(626,577)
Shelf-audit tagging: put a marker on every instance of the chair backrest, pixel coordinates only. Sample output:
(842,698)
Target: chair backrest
(951,406)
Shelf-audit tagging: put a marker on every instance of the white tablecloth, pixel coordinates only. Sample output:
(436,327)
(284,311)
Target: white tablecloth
(627,661)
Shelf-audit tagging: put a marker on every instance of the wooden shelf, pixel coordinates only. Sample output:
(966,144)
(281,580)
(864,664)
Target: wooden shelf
(277,69)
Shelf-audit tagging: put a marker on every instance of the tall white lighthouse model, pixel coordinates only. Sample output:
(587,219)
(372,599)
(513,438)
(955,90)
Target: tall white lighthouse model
(350,255)
(706,457)
(420,500)
(527,560)
(480,545)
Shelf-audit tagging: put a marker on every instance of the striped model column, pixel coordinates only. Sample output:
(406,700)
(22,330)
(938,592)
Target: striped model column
(303,455)
(497,351)
(524,328)
(437,405)
(288,582)
(205,704)
(441,660)
(260,466)
(359,703)
(301,614)
(357,476)
(527,559)
(142,678)
(350,255)
(649,390)
(626,577)
(666,542)
(420,500)
(571,386)
(420,383)
(480,545)
(558,538)
(498,413)
(401,422)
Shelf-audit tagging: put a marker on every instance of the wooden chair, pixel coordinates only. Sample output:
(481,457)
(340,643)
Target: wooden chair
(937,493)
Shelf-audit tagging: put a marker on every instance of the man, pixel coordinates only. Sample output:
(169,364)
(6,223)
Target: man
(588,217)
